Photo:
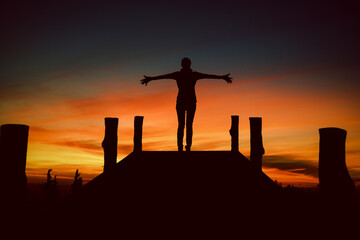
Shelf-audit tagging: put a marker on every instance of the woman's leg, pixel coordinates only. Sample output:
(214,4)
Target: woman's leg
(181,125)
(190,113)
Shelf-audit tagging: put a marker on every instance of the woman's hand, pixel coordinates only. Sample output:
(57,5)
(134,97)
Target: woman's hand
(146,80)
(227,78)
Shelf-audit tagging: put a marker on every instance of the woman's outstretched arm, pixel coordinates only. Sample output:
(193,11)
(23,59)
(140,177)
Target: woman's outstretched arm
(225,77)
(147,79)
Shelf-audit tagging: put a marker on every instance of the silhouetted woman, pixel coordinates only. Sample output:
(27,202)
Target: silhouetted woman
(186,79)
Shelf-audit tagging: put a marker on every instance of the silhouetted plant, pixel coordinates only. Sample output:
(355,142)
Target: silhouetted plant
(293,189)
(77,184)
(289,188)
(50,188)
(278,184)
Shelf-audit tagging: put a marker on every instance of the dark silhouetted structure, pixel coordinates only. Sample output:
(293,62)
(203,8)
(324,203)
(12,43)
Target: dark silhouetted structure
(13,150)
(158,183)
(138,124)
(110,143)
(179,183)
(334,178)
(234,133)
(256,143)
(186,80)
(168,188)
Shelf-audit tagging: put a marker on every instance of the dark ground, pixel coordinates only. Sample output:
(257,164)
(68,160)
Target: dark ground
(186,198)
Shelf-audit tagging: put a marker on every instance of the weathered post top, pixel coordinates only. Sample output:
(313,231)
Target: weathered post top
(138,124)
(256,143)
(14,141)
(334,178)
(13,150)
(110,143)
(234,132)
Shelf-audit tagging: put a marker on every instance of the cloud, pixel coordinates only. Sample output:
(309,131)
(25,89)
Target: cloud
(286,75)
(87,145)
(292,164)
(93,146)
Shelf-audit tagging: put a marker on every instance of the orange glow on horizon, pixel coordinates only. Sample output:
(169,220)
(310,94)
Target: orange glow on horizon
(66,134)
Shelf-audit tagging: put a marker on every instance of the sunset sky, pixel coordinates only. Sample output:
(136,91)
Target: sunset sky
(66,65)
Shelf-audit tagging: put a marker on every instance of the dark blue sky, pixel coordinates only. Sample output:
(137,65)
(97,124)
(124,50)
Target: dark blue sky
(41,39)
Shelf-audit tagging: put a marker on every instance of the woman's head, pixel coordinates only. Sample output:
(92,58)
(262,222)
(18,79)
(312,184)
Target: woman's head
(186,62)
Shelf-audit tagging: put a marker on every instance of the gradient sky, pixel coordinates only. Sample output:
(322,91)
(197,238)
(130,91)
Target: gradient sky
(66,65)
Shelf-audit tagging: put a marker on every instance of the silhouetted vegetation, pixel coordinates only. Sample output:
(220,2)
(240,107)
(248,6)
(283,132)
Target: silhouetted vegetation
(50,189)
(77,184)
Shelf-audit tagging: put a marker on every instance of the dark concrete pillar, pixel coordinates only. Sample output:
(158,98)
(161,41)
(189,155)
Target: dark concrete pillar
(110,143)
(334,178)
(138,125)
(234,133)
(256,143)
(13,150)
